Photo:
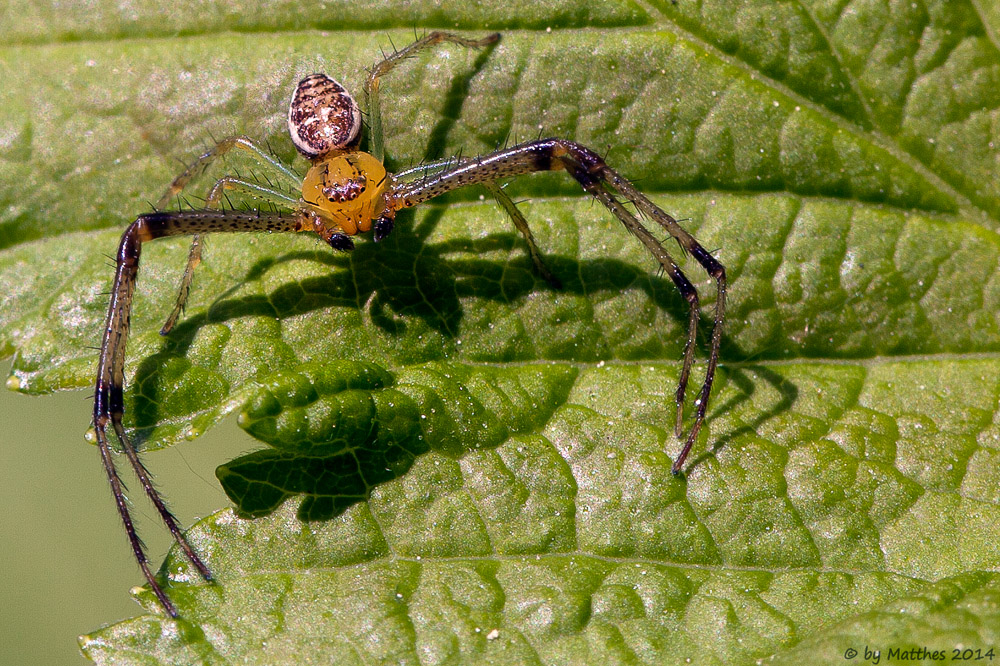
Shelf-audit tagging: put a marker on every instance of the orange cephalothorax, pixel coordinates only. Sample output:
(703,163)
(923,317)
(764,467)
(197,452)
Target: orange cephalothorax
(349,187)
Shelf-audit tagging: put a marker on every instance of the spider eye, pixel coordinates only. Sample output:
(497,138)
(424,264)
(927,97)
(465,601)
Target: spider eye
(344,191)
(341,242)
(323,117)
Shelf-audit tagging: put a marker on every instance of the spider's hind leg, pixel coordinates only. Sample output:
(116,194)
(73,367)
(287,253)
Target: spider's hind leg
(510,208)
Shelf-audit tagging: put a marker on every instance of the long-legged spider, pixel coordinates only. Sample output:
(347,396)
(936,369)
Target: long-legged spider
(346,192)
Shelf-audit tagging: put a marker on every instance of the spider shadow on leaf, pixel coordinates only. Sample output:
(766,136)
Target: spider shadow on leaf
(788,393)
(403,280)
(400,280)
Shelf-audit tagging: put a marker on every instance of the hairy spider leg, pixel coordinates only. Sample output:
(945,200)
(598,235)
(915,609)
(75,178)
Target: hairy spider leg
(718,273)
(376,139)
(509,207)
(196,169)
(503,200)
(603,183)
(109,403)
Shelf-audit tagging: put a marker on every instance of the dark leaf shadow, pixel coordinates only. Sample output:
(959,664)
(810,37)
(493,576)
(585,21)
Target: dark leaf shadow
(402,277)
(391,280)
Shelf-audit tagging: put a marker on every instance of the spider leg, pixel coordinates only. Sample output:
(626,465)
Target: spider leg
(109,386)
(503,200)
(214,200)
(194,258)
(606,185)
(425,169)
(514,214)
(714,269)
(371,85)
(198,167)
(192,172)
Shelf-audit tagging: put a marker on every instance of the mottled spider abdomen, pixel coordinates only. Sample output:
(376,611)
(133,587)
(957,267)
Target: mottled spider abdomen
(323,117)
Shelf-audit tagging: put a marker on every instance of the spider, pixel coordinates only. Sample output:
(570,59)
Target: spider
(347,192)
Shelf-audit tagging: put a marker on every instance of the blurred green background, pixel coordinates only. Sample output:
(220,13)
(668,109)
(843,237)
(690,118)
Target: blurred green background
(69,568)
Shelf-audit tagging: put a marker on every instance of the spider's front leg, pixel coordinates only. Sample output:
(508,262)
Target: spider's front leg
(606,185)
(371,86)
(109,403)
(503,200)
(214,200)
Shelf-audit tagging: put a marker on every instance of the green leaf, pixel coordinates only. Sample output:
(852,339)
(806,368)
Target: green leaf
(342,428)
(468,466)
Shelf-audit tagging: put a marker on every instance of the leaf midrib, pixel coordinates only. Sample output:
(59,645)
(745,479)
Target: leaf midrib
(569,555)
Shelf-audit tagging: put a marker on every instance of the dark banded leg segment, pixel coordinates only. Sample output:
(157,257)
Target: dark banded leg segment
(109,388)
(607,186)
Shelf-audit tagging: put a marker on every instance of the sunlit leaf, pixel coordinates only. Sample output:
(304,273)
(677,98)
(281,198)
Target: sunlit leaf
(468,466)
